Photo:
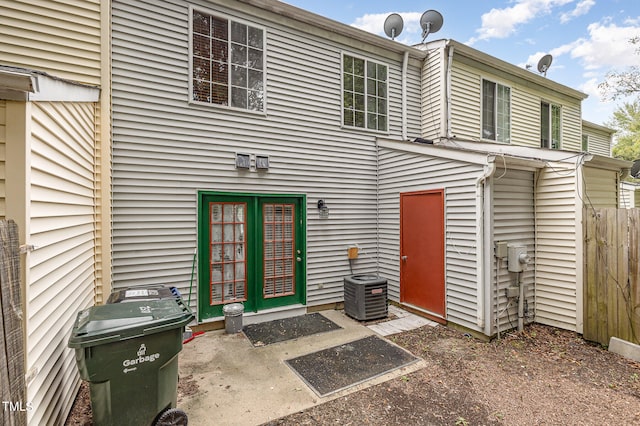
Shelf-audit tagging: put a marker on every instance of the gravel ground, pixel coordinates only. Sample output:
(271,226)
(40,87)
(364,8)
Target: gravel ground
(542,376)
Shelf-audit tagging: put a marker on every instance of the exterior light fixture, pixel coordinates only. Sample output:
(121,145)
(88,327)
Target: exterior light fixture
(323,209)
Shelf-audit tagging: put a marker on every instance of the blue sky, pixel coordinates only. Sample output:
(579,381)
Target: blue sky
(587,38)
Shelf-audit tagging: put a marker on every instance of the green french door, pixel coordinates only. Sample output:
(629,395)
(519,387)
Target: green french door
(251,250)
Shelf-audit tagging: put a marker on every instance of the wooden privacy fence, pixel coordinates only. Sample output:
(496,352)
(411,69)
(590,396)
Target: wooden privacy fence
(12,390)
(612,274)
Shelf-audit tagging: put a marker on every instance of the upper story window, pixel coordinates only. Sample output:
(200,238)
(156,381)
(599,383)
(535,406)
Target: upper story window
(496,112)
(227,61)
(364,96)
(585,143)
(550,125)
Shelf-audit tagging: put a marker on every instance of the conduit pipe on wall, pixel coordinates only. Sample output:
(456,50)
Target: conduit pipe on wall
(483,249)
(405,66)
(448,88)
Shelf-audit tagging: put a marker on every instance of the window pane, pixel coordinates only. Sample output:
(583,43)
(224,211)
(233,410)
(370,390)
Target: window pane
(372,122)
(238,97)
(382,122)
(348,100)
(201,91)
(219,94)
(238,54)
(544,125)
(239,76)
(382,89)
(555,127)
(238,33)
(382,105)
(348,117)
(201,23)
(359,119)
(219,72)
(371,70)
(347,64)
(255,59)
(202,69)
(255,37)
(256,101)
(255,80)
(358,67)
(201,45)
(219,50)
(358,84)
(382,72)
(372,104)
(359,102)
(488,110)
(372,87)
(220,28)
(503,114)
(348,82)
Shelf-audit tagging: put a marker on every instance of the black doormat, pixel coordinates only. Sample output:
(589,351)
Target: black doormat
(337,368)
(280,330)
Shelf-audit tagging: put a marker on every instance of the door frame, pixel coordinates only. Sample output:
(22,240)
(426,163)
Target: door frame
(254,257)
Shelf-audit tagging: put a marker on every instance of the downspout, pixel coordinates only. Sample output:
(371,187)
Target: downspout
(405,66)
(448,89)
(483,249)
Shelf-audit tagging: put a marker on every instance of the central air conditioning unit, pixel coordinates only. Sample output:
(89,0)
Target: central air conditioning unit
(365,297)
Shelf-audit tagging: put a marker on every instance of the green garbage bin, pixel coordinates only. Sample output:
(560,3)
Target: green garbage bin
(128,352)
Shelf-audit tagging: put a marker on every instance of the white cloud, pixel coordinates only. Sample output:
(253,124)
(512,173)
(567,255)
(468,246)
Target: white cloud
(607,47)
(374,23)
(501,23)
(581,8)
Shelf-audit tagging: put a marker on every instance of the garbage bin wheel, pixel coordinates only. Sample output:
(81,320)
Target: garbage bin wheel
(172,417)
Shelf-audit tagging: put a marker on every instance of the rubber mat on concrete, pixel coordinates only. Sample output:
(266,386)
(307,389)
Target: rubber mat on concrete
(340,367)
(280,330)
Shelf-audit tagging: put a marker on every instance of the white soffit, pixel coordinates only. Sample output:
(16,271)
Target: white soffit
(17,84)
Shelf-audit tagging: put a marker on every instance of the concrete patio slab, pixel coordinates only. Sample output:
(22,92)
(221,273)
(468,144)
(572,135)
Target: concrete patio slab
(239,384)
(404,321)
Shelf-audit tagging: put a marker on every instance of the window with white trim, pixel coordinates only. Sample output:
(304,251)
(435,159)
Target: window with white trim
(585,143)
(550,120)
(496,112)
(227,62)
(364,96)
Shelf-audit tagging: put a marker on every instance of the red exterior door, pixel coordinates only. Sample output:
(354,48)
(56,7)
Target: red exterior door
(422,282)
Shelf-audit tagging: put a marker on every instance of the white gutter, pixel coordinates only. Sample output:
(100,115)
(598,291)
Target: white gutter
(405,65)
(448,89)
(483,249)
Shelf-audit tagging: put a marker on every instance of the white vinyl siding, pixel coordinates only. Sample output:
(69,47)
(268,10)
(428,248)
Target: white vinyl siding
(513,222)
(555,252)
(601,187)
(3,141)
(599,140)
(61,38)
(402,171)
(165,150)
(433,96)
(466,104)
(61,268)
(628,193)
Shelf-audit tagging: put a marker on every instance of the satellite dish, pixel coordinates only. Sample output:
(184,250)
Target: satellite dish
(544,63)
(393,25)
(431,22)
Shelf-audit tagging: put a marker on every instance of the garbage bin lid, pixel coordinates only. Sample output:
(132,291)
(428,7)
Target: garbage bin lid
(110,323)
(233,309)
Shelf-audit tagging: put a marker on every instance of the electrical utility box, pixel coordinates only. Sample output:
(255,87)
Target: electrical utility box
(518,259)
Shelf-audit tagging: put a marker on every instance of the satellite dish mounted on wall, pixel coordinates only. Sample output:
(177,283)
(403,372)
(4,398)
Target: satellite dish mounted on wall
(544,63)
(431,22)
(393,25)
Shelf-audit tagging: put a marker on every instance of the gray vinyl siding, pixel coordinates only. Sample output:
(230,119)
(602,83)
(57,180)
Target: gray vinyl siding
(165,150)
(401,172)
(61,38)
(555,252)
(601,187)
(513,222)
(61,271)
(3,141)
